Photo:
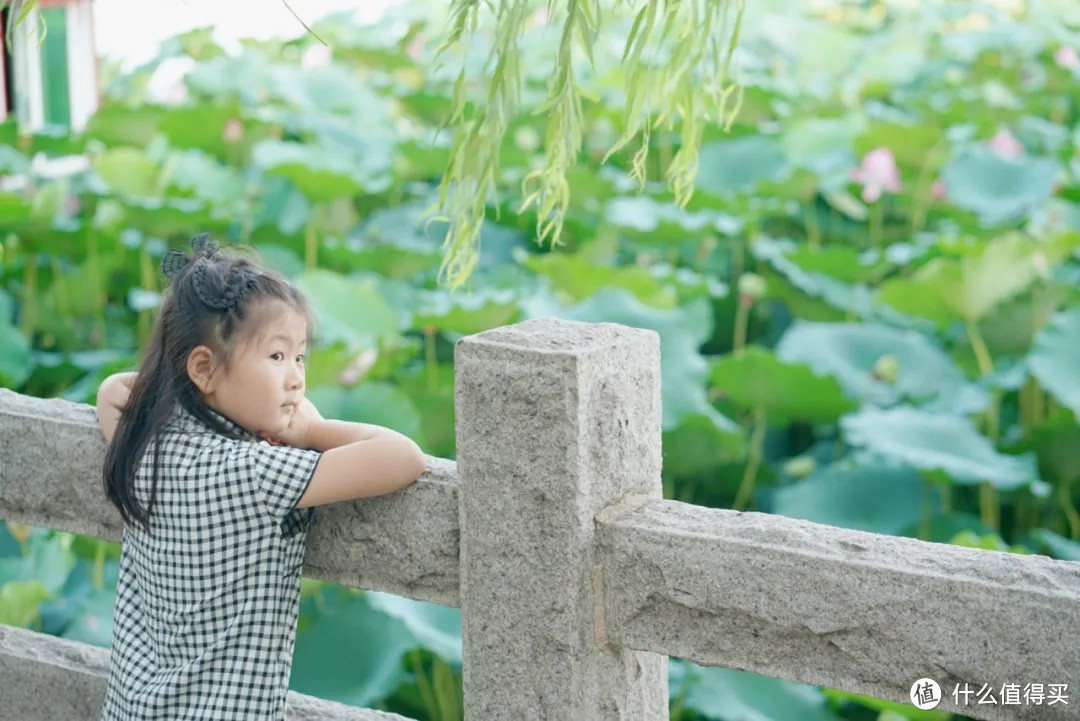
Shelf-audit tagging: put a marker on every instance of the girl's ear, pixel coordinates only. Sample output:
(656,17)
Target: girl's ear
(200,368)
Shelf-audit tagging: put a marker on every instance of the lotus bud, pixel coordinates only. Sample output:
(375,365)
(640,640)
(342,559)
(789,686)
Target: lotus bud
(233,131)
(539,19)
(1042,265)
(1006,145)
(415,49)
(751,287)
(877,173)
(19,531)
(800,466)
(526,139)
(938,191)
(1067,57)
(886,368)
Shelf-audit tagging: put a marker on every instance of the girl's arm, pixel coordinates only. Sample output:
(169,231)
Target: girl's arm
(113,392)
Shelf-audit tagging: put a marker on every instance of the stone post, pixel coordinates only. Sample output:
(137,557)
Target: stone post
(556,420)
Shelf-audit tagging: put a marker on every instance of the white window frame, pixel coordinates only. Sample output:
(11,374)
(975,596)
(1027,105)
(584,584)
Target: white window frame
(26,60)
(83,91)
(82,64)
(3,78)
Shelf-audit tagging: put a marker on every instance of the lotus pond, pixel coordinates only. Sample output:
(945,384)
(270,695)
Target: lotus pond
(869,309)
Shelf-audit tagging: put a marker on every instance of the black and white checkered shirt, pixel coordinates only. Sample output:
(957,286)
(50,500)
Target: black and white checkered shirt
(207,601)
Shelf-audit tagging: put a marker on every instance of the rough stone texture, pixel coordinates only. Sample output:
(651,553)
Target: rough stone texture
(555,421)
(52,453)
(577,580)
(51,457)
(846,609)
(404,543)
(52,679)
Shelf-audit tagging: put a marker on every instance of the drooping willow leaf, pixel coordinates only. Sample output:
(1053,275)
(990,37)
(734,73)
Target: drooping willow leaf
(20,9)
(691,83)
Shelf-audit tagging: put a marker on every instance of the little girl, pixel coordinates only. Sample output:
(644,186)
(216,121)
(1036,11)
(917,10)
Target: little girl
(215,460)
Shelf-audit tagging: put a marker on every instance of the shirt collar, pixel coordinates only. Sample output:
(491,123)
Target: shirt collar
(185,419)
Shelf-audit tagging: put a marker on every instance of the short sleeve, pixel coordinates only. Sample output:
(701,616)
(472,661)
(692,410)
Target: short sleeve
(281,474)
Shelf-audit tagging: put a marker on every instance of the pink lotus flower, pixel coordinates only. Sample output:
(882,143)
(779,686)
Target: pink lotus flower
(1006,145)
(878,172)
(415,50)
(233,132)
(1067,57)
(538,19)
(316,56)
(937,190)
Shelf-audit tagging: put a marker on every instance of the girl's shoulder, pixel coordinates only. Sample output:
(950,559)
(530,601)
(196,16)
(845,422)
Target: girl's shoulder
(184,422)
(188,445)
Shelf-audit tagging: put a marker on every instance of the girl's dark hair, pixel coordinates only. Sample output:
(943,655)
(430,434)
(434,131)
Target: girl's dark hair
(214,299)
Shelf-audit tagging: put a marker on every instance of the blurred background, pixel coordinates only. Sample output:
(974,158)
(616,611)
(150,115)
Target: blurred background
(869,310)
(132,33)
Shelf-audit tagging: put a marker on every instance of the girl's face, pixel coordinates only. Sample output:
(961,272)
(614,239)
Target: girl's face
(265,382)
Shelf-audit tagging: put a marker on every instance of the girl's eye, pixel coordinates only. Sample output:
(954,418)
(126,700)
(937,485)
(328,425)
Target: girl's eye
(301,358)
(275,356)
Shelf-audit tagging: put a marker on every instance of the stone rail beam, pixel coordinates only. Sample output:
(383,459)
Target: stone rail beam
(863,612)
(51,458)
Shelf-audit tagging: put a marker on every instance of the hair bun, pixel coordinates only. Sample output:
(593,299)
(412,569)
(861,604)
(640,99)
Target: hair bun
(174,260)
(239,282)
(198,282)
(202,245)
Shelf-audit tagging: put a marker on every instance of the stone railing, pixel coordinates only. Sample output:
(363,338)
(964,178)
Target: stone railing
(575,579)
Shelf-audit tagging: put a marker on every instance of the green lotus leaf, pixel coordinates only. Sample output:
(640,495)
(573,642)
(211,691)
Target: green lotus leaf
(938,441)
(997,188)
(346,651)
(317,172)
(128,171)
(786,392)
(348,309)
(849,352)
(731,695)
(1053,358)
(731,166)
(971,285)
(875,497)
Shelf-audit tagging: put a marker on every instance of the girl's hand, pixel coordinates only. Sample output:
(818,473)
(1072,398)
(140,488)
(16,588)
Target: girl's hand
(296,434)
